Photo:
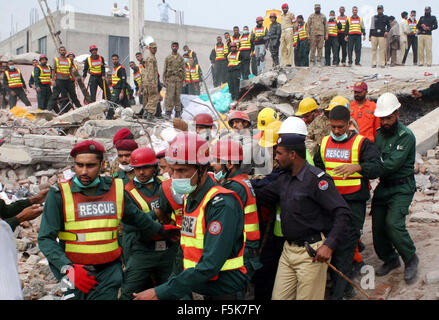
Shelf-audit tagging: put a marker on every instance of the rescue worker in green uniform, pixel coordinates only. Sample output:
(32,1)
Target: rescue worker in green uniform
(119,85)
(212,233)
(394,193)
(149,260)
(124,149)
(227,156)
(351,160)
(42,80)
(84,213)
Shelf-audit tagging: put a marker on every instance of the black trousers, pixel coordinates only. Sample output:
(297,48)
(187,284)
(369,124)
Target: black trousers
(194,89)
(332,45)
(63,87)
(19,94)
(354,43)
(220,71)
(234,82)
(412,43)
(343,45)
(94,83)
(274,49)
(115,98)
(245,64)
(43,96)
(254,65)
(4,101)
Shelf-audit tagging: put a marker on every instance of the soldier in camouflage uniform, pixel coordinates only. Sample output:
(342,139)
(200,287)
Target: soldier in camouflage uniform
(174,75)
(318,31)
(317,130)
(151,96)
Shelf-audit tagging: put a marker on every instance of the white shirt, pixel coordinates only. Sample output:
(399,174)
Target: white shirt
(10,285)
(164,8)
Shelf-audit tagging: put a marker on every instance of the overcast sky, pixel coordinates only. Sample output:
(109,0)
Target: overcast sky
(213,13)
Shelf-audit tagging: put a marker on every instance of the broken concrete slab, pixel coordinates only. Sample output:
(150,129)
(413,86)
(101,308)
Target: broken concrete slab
(107,128)
(425,130)
(432,277)
(88,112)
(12,154)
(285,108)
(424,217)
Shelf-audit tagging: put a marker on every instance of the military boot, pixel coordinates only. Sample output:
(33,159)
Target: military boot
(411,269)
(387,267)
(150,117)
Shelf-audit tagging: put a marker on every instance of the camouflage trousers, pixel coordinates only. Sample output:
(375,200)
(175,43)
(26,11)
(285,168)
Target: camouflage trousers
(172,99)
(151,98)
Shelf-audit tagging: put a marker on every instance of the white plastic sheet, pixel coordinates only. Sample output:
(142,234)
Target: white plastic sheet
(10,286)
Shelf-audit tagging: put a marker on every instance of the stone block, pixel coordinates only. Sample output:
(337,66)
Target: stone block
(424,217)
(432,277)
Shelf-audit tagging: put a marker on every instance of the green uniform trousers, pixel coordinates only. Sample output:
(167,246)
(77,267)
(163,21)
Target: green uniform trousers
(220,70)
(63,87)
(304,53)
(173,93)
(94,83)
(332,45)
(43,96)
(252,262)
(344,254)
(234,80)
(245,63)
(390,206)
(109,279)
(354,43)
(145,264)
(19,94)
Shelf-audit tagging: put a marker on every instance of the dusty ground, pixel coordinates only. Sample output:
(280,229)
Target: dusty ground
(426,238)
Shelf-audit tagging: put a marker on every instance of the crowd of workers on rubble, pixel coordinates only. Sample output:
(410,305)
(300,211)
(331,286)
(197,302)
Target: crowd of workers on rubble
(227,212)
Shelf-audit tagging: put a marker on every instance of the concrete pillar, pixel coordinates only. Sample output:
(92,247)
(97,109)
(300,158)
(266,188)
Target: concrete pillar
(136,26)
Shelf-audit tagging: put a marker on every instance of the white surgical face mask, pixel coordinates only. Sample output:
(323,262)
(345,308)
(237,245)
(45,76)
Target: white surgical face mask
(127,168)
(166,176)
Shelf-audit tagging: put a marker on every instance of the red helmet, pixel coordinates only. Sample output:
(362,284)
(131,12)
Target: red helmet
(43,56)
(203,119)
(188,148)
(273,15)
(285,5)
(93,47)
(143,157)
(70,53)
(239,115)
(227,150)
(259,19)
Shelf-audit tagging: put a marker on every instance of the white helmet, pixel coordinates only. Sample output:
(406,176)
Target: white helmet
(293,125)
(386,105)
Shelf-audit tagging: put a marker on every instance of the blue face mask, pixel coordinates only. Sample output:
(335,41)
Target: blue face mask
(11,68)
(91,185)
(245,32)
(339,139)
(186,60)
(220,175)
(183,186)
(144,183)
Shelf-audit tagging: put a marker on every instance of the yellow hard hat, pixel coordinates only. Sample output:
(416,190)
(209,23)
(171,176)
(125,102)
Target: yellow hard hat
(338,101)
(306,105)
(270,135)
(265,117)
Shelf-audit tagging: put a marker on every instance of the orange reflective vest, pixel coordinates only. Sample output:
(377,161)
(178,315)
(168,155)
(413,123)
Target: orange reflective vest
(188,73)
(220,52)
(138,78)
(91,224)
(14,78)
(233,59)
(144,202)
(246,42)
(260,33)
(177,215)
(343,21)
(332,29)
(295,38)
(45,74)
(74,68)
(193,230)
(251,220)
(337,154)
(302,32)
(114,78)
(236,40)
(95,66)
(412,26)
(195,74)
(63,66)
(355,25)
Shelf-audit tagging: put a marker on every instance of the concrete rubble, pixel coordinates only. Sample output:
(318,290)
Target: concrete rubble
(36,152)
